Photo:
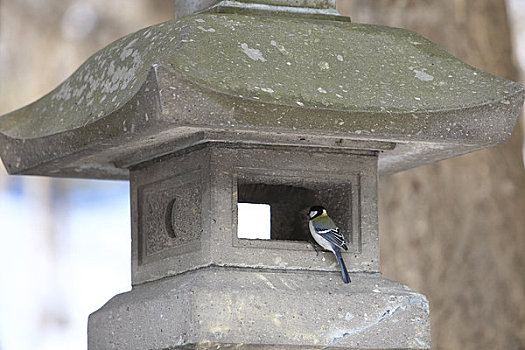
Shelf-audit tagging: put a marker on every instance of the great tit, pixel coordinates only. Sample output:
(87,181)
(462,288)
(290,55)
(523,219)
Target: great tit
(327,235)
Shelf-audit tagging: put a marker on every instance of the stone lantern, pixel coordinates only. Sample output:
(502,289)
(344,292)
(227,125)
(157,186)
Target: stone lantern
(277,102)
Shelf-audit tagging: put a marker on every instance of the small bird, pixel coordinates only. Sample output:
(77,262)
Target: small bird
(327,235)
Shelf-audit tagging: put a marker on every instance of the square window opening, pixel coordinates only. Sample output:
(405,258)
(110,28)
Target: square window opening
(280,211)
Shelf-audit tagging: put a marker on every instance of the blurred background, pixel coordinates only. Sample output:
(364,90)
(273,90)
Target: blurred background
(454,230)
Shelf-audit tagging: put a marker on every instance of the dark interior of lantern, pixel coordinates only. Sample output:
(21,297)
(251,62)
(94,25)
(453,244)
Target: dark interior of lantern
(289,205)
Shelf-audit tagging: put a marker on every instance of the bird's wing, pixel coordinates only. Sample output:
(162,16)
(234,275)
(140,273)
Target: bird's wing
(330,232)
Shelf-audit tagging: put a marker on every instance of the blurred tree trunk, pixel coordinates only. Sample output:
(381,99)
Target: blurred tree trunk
(455,230)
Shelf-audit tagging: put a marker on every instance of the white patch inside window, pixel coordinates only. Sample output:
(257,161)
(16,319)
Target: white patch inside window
(253,221)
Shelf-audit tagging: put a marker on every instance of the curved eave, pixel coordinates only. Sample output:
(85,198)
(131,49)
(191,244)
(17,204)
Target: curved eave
(186,81)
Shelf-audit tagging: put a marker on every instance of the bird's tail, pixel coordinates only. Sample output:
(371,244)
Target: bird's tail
(344,271)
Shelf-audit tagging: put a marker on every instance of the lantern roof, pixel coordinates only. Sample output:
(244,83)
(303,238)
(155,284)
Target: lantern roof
(298,81)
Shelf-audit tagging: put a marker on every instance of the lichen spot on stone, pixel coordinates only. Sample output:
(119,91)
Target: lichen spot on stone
(423,76)
(209,30)
(324,65)
(254,54)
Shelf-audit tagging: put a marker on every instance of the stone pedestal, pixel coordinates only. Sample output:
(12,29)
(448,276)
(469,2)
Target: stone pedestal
(236,308)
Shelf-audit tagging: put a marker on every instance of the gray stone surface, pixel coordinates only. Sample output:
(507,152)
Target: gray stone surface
(273,79)
(313,9)
(188,7)
(322,4)
(231,308)
(184,208)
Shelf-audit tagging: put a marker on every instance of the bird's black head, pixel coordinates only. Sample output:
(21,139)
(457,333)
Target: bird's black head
(316,211)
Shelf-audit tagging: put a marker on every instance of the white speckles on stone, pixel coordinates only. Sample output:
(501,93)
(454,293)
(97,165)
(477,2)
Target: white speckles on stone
(421,75)
(349,316)
(127,50)
(209,30)
(254,54)
(279,47)
(121,69)
(64,93)
(324,65)
(420,342)
(111,68)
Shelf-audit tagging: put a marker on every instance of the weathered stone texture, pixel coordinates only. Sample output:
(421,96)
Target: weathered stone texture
(322,81)
(207,308)
(218,108)
(184,208)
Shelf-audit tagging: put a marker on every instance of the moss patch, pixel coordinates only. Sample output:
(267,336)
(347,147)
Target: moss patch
(298,63)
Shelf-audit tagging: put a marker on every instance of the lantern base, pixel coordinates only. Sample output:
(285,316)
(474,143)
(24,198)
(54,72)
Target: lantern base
(241,308)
